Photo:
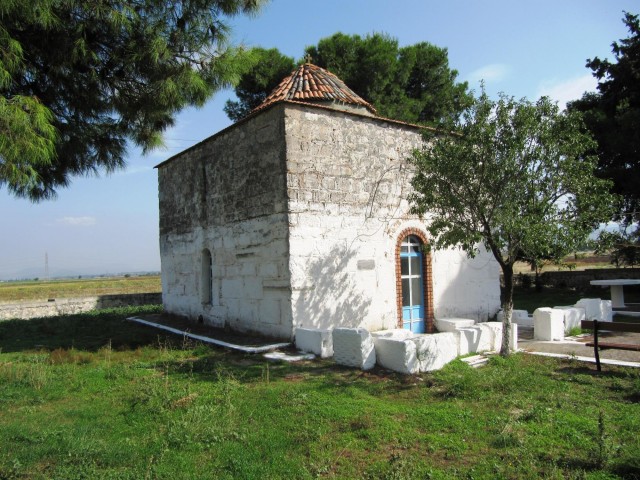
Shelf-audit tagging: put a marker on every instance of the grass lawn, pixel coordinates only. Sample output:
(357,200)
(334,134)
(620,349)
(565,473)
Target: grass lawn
(41,290)
(91,396)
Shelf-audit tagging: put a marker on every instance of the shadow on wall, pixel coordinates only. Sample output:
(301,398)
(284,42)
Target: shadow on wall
(465,287)
(331,296)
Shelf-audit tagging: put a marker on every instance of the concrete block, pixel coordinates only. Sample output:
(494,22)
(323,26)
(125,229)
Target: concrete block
(596,309)
(521,317)
(318,341)
(496,334)
(606,309)
(496,338)
(548,324)
(394,333)
(450,324)
(572,316)
(354,347)
(435,351)
(396,354)
(474,339)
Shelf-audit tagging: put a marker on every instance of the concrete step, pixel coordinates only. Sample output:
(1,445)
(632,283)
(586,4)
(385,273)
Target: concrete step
(476,361)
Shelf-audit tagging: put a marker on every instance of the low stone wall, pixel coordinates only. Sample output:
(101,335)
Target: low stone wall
(66,306)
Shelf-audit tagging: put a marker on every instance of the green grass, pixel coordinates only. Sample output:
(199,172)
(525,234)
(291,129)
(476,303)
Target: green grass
(41,290)
(91,396)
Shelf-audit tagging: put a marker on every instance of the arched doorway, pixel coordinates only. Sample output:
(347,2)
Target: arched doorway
(412,274)
(413,282)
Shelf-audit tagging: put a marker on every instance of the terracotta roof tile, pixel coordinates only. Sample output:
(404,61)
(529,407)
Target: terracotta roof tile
(312,83)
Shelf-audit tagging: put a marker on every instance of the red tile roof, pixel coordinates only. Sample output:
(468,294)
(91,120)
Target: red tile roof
(310,83)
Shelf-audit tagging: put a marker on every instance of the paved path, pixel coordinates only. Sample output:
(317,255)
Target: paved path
(575,346)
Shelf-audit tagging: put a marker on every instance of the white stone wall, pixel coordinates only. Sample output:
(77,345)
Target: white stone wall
(301,209)
(465,287)
(347,179)
(228,195)
(250,288)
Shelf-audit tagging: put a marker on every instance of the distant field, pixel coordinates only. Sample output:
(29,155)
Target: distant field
(583,261)
(41,290)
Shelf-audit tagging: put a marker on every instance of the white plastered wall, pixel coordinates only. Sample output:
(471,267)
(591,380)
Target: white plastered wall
(465,287)
(347,178)
(250,290)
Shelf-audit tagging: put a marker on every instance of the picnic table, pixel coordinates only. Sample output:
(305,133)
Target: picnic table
(617,293)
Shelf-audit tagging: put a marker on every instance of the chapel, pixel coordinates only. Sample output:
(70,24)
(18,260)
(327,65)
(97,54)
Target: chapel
(297,216)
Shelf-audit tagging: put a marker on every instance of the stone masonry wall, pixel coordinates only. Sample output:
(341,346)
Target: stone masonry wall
(347,179)
(227,195)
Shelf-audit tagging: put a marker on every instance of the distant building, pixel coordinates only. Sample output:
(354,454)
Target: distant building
(296,217)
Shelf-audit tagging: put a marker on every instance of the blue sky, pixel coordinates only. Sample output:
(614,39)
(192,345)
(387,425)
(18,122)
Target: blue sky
(523,48)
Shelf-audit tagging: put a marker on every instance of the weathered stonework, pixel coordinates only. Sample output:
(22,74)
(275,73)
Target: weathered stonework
(70,306)
(302,209)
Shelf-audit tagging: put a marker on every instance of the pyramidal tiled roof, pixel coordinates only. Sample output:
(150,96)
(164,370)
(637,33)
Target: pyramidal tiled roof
(310,83)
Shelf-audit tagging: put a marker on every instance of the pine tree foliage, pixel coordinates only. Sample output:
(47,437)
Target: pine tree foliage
(80,79)
(412,84)
(513,177)
(267,69)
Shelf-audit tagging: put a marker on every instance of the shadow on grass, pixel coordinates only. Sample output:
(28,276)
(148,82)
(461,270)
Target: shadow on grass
(85,331)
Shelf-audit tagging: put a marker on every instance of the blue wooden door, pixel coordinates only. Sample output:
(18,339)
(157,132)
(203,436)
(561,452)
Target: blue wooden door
(412,286)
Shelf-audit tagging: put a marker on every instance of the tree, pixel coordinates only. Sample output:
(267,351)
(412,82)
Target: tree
(79,79)
(512,176)
(413,84)
(623,246)
(267,69)
(612,115)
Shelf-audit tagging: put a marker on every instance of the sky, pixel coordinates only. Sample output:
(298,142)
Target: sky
(109,225)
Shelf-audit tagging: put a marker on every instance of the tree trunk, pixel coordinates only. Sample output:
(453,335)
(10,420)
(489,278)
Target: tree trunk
(507,310)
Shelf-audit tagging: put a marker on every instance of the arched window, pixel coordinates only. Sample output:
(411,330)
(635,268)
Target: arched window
(206,278)
(414,289)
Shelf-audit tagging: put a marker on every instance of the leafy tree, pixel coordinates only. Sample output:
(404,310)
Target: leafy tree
(512,176)
(413,84)
(267,69)
(79,79)
(623,247)
(612,115)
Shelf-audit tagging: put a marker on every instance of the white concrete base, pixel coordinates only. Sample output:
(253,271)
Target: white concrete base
(521,317)
(453,324)
(404,352)
(316,341)
(354,347)
(436,350)
(394,333)
(596,309)
(396,354)
(476,339)
(548,324)
(572,317)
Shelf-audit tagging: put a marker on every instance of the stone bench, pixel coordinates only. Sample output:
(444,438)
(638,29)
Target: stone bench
(313,340)
(548,324)
(453,324)
(353,347)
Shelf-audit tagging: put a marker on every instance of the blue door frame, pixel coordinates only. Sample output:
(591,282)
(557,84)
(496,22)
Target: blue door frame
(412,274)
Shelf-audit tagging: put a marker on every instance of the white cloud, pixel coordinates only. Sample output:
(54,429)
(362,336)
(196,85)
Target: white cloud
(77,221)
(566,90)
(496,72)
